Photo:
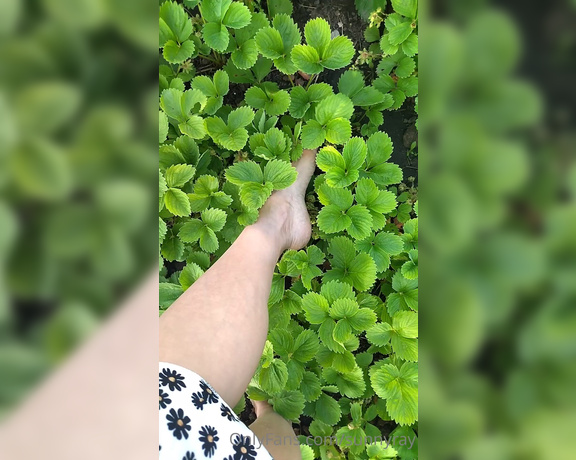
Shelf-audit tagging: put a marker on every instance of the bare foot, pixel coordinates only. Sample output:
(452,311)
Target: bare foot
(284,215)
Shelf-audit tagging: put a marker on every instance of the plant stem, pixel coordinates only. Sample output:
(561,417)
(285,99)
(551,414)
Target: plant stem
(290,77)
(310,80)
(208,58)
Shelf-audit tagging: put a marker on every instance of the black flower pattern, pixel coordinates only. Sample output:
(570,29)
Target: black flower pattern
(209,394)
(173,379)
(243,448)
(164,399)
(178,423)
(189,456)
(199,400)
(208,438)
(226,412)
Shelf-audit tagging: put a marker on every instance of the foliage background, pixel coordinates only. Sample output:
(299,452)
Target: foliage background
(469,409)
(341,357)
(498,184)
(78,156)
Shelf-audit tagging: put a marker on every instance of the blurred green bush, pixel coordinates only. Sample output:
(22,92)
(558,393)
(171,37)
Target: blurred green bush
(78,134)
(497,185)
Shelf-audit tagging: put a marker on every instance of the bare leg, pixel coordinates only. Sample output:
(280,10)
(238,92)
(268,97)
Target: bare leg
(218,327)
(275,433)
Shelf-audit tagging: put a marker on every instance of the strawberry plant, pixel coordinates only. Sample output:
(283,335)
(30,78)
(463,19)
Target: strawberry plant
(393,35)
(243,90)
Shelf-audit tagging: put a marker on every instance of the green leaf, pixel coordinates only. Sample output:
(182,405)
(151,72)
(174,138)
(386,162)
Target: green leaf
(363,319)
(274,377)
(366,7)
(410,45)
(372,34)
(216,36)
(410,270)
(245,55)
(244,172)
(331,219)
(377,201)
(338,53)
(240,117)
(288,31)
(237,16)
(162,126)
(289,404)
(317,33)
(384,83)
(356,270)
(349,382)
(306,59)
(204,84)
(214,10)
(380,334)
(168,293)
(190,273)
(399,33)
(341,197)
(400,389)
(354,153)
(176,53)
(276,7)
(360,222)
(174,19)
(315,307)
(221,83)
(282,341)
(254,195)
(176,202)
(328,410)
(409,85)
(336,290)
(178,175)
(369,96)
(388,49)
(406,324)
(338,131)
(178,104)
(406,8)
(342,170)
(172,248)
(269,42)
(333,107)
(267,355)
(342,331)
(305,346)
(234,140)
(310,386)
(351,82)
(381,247)
(280,174)
(405,67)
(193,127)
(313,135)
(295,374)
(214,219)
(270,98)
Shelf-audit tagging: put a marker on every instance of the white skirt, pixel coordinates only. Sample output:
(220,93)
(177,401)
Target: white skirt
(196,423)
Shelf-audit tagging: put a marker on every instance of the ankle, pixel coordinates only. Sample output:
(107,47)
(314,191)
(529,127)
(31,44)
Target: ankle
(273,223)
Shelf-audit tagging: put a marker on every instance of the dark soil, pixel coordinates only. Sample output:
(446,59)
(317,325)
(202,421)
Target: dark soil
(340,14)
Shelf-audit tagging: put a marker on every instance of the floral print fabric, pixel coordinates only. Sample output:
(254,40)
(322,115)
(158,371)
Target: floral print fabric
(196,423)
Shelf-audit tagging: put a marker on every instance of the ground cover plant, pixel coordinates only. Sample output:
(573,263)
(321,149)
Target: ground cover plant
(243,90)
